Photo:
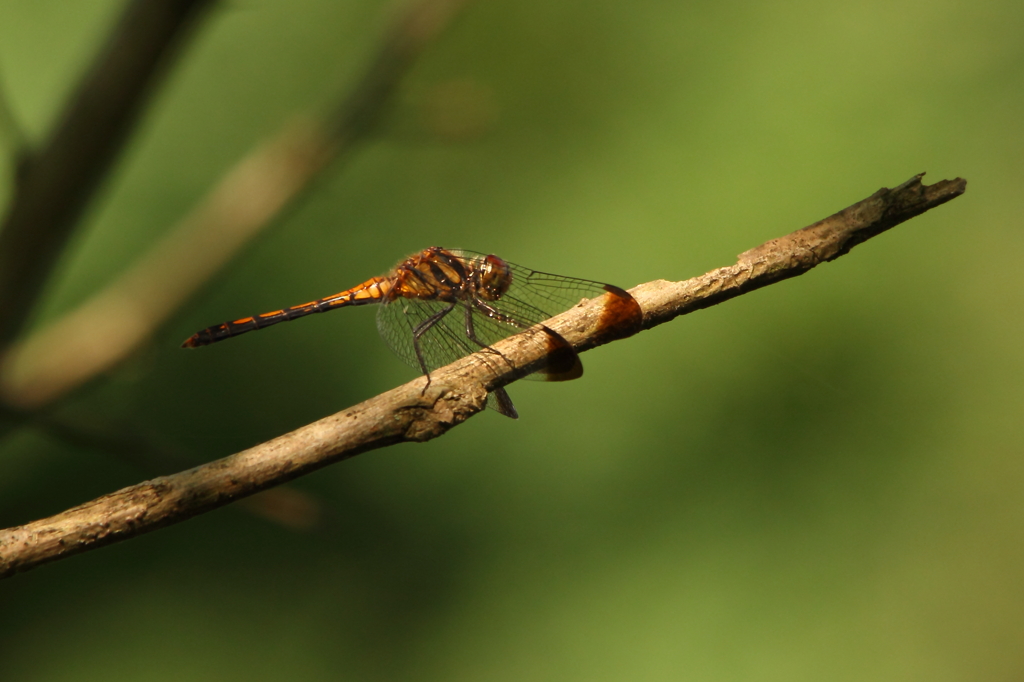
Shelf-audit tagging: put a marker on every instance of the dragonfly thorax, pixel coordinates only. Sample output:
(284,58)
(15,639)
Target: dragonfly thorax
(492,278)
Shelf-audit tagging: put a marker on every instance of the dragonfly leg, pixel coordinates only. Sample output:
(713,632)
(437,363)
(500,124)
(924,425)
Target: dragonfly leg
(421,329)
(471,332)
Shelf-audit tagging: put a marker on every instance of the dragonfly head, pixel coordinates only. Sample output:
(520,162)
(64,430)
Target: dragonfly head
(494,277)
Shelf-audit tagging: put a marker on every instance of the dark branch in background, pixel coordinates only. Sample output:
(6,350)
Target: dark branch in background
(56,183)
(414,412)
(356,115)
(107,328)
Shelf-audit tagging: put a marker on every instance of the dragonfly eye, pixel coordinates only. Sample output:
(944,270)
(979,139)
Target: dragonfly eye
(495,278)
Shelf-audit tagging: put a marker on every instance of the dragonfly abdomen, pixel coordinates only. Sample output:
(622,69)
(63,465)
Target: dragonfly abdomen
(371,291)
(248,324)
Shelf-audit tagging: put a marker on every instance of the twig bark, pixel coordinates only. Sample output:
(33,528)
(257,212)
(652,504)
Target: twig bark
(55,184)
(108,327)
(418,412)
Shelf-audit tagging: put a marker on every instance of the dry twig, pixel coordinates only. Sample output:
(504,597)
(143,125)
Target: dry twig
(414,412)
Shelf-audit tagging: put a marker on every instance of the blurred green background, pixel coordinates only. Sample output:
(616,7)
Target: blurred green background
(820,480)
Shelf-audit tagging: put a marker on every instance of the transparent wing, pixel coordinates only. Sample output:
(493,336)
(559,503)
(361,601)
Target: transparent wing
(531,290)
(536,296)
(449,331)
(441,343)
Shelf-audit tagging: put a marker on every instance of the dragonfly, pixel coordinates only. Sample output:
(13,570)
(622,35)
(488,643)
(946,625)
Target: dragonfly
(440,305)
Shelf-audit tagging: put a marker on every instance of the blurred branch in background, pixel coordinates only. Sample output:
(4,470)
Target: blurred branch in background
(107,328)
(418,412)
(56,182)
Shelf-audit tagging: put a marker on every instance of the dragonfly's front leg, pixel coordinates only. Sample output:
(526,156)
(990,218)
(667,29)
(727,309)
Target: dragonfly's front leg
(471,331)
